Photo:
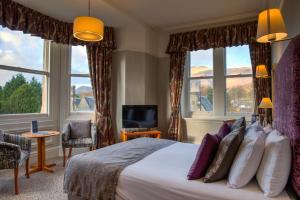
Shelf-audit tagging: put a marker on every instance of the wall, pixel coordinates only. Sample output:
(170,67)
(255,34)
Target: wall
(291,14)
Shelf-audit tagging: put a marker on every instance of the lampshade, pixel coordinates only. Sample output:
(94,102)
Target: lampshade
(88,29)
(271,26)
(261,71)
(266,103)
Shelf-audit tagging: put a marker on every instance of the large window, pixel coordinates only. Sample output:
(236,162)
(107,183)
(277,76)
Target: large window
(219,82)
(24,73)
(82,99)
(239,84)
(201,81)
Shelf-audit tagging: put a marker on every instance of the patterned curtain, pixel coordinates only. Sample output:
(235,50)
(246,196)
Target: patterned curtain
(261,54)
(18,17)
(176,81)
(100,65)
(224,36)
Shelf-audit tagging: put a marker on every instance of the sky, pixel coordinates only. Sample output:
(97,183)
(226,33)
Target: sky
(235,57)
(23,50)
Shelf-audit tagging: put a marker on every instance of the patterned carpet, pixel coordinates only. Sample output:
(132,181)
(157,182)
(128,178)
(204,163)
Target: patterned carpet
(40,186)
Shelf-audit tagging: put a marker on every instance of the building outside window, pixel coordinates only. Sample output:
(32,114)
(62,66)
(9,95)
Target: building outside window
(219,82)
(24,73)
(82,99)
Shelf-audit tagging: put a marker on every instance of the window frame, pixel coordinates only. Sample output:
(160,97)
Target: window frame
(219,88)
(75,75)
(45,72)
(188,79)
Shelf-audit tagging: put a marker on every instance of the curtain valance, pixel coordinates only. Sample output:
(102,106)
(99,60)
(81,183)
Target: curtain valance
(224,36)
(18,17)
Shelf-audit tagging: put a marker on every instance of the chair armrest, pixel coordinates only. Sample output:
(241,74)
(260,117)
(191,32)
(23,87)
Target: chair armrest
(65,133)
(10,155)
(23,142)
(94,134)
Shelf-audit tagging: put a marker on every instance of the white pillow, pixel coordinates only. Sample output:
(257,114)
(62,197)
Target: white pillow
(274,170)
(248,158)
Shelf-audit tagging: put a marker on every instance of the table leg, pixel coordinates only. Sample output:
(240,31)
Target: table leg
(41,163)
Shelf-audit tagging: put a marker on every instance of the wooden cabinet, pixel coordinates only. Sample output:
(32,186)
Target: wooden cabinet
(126,135)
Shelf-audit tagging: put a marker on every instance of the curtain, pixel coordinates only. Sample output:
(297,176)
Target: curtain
(176,82)
(18,17)
(224,36)
(261,54)
(100,66)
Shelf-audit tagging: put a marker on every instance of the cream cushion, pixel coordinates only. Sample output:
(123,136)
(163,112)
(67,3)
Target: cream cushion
(248,158)
(274,170)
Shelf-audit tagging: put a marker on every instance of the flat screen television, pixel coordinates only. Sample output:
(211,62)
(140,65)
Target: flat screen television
(139,116)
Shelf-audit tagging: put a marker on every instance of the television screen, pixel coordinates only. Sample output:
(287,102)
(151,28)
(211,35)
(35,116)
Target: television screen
(139,116)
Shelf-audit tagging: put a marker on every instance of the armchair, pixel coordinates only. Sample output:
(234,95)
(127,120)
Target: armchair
(78,134)
(14,149)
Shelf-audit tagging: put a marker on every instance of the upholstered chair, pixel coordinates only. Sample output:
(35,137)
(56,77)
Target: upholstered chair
(14,150)
(78,134)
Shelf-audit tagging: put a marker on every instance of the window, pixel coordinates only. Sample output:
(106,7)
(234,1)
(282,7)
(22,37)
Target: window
(24,73)
(239,84)
(82,99)
(201,81)
(219,82)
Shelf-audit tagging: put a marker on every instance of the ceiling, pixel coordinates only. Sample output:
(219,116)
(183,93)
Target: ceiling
(161,14)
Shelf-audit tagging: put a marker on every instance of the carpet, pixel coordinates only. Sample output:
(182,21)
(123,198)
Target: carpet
(40,186)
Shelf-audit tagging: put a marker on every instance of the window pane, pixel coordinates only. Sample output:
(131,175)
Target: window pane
(239,95)
(238,60)
(81,94)
(79,60)
(201,63)
(22,93)
(21,50)
(201,95)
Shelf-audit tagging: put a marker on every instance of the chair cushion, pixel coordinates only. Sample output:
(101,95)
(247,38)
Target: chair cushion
(24,156)
(82,142)
(80,129)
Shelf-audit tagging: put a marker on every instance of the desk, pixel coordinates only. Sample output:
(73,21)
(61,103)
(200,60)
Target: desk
(125,135)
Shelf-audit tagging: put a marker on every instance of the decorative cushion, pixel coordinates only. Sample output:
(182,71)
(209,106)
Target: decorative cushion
(80,129)
(274,169)
(223,131)
(227,150)
(79,143)
(1,136)
(204,157)
(248,158)
(241,122)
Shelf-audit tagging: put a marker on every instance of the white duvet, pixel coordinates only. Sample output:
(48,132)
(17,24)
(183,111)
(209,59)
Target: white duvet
(162,176)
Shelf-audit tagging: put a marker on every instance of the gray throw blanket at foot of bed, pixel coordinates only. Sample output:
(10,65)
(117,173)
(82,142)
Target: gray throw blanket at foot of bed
(94,175)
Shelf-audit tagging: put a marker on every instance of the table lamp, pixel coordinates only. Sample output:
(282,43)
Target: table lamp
(265,104)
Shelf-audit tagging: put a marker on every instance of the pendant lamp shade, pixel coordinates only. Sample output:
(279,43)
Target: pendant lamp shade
(261,71)
(88,29)
(271,26)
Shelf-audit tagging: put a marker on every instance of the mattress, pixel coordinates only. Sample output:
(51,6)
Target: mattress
(162,175)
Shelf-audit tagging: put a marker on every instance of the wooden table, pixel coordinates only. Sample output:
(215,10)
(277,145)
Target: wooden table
(125,135)
(41,164)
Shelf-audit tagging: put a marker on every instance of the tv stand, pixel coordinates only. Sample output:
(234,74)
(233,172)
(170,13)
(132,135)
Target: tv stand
(125,135)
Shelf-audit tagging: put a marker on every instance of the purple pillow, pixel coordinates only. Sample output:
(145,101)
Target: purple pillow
(204,157)
(223,131)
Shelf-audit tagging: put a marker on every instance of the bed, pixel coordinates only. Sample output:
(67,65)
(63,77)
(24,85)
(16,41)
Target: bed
(161,173)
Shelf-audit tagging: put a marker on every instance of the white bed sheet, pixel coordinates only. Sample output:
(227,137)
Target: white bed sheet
(162,176)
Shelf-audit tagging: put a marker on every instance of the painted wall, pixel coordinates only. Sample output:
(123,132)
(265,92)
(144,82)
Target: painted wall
(291,14)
